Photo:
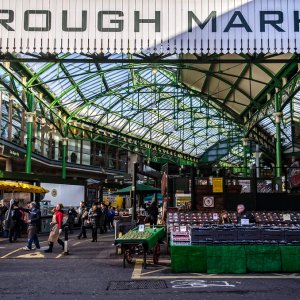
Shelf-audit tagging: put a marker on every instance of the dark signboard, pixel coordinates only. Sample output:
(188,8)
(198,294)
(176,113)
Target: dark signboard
(11,152)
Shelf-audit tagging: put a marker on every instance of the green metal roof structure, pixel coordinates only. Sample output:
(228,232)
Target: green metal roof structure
(184,108)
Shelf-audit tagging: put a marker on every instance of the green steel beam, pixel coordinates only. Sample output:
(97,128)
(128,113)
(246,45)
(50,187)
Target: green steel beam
(29,121)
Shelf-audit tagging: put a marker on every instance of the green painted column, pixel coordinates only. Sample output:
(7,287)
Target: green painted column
(278,117)
(245,163)
(64,157)
(29,124)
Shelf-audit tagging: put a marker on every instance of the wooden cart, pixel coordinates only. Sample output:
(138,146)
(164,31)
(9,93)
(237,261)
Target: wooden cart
(138,246)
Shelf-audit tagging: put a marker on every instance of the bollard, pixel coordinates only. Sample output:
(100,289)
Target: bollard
(66,250)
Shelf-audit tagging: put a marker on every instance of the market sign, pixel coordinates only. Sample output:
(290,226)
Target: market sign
(11,152)
(196,26)
(217,185)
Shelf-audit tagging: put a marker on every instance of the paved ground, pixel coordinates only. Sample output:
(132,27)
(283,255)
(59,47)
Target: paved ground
(94,271)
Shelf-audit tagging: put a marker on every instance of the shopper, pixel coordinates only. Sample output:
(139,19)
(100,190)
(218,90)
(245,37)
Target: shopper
(103,217)
(56,228)
(224,218)
(14,221)
(242,214)
(94,217)
(110,217)
(153,213)
(3,210)
(72,214)
(34,216)
(83,218)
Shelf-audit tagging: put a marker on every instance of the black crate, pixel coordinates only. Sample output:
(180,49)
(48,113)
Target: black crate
(202,234)
(272,235)
(292,235)
(225,234)
(249,234)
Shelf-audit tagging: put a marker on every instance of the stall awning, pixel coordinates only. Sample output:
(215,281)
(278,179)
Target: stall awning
(11,186)
(140,188)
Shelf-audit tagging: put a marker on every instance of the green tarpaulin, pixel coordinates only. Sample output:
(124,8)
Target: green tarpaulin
(226,259)
(263,258)
(190,258)
(290,258)
(235,258)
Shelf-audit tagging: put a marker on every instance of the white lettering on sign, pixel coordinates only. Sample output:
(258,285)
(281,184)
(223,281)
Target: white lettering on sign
(203,26)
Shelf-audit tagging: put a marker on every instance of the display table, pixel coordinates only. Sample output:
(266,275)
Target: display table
(235,258)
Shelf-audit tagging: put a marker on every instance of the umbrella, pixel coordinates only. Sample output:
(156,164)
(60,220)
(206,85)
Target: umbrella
(12,186)
(140,189)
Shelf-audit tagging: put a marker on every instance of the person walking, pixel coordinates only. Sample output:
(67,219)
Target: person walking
(83,219)
(94,216)
(15,218)
(3,210)
(103,218)
(110,217)
(34,216)
(72,214)
(56,228)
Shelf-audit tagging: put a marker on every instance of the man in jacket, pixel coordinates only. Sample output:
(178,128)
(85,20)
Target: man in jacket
(34,216)
(242,214)
(14,222)
(82,217)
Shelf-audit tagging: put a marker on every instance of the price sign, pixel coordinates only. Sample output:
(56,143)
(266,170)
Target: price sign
(141,228)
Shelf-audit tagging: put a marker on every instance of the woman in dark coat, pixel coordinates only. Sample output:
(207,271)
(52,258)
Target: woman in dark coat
(94,217)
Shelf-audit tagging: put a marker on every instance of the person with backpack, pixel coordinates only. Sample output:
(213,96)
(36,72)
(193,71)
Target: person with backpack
(34,216)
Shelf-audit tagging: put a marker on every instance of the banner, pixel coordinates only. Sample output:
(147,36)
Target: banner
(175,26)
(217,185)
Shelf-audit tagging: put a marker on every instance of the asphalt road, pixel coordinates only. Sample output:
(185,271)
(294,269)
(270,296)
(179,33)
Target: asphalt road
(94,271)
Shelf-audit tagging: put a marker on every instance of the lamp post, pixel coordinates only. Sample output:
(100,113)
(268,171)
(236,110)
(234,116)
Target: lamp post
(245,145)
(133,189)
(278,117)
(29,123)
(64,157)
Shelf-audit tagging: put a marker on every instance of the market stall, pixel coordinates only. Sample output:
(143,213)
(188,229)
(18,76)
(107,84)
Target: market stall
(141,241)
(199,244)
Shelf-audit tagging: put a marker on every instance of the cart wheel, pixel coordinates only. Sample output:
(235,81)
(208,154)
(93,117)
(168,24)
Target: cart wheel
(128,256)
(156,253)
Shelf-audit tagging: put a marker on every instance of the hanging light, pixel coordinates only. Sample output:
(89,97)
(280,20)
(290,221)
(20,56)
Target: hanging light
(154,70)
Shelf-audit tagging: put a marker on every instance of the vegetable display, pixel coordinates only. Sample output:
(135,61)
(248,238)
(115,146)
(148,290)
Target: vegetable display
(133,235)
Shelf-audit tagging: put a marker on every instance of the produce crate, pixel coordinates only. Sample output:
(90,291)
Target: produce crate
(148,238)
(272,235)
(225,234)
(249,234)
(292,235)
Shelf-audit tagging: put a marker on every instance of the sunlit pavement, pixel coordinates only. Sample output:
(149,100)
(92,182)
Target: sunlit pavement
(94,270)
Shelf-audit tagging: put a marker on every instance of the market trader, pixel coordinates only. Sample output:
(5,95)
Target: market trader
(34,216)
(244,217)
